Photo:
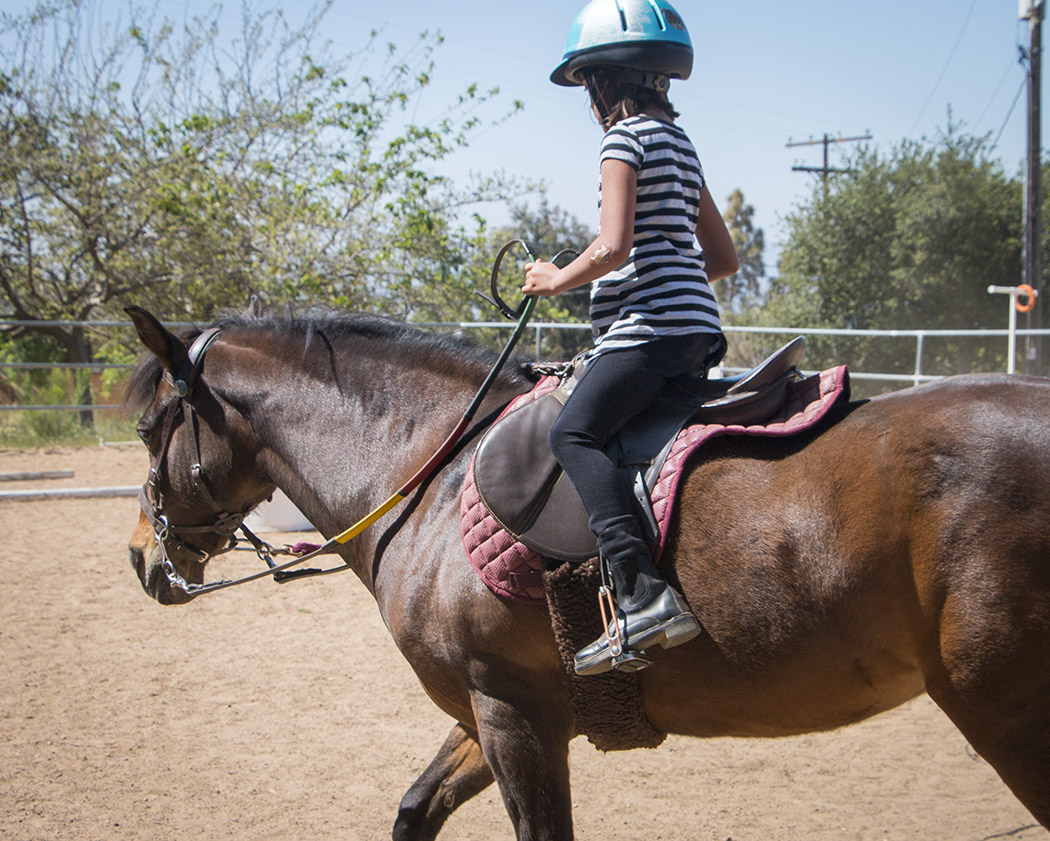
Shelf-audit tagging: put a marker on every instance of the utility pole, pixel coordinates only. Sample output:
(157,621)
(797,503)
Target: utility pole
(1032,11)
(826,141)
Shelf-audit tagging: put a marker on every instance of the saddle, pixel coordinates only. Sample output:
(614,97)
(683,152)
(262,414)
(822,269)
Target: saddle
(521,485)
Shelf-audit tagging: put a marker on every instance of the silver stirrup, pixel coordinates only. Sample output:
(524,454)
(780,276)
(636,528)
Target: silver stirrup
(622,659)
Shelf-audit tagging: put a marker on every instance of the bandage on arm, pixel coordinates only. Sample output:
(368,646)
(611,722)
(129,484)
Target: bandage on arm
(601,256)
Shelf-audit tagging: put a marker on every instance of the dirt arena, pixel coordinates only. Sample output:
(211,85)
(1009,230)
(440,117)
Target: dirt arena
(267,712)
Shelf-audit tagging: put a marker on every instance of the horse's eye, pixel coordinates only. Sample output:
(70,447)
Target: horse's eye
(143,433)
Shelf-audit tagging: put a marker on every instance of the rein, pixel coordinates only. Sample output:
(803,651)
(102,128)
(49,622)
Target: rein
(228,523)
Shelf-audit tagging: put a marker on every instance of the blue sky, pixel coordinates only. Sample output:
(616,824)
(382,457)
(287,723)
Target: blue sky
(766,72)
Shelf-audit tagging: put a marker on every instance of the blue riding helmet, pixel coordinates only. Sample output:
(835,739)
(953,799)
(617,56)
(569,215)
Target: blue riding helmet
(643,35)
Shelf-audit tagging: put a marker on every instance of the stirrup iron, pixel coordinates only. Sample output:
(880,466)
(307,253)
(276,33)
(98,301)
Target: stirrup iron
(624,659)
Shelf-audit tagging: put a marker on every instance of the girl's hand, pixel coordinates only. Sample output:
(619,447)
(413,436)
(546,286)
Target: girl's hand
(541,279)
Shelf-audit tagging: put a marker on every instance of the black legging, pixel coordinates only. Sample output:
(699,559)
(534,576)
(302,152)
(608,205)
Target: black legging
(616,386)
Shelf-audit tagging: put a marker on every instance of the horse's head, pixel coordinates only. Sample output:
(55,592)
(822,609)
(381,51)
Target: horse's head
(203,476)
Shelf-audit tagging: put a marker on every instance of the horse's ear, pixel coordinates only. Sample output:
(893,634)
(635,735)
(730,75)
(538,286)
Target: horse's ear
(255,307)
(169,349)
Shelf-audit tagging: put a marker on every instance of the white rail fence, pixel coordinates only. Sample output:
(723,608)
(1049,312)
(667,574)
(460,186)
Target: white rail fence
(993,341)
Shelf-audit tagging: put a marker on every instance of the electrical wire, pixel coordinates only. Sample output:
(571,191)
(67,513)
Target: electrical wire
(944,69)
(1009,114)
(995,94)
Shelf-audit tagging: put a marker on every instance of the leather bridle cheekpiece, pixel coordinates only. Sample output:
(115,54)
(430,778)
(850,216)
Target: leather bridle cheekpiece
(151,498)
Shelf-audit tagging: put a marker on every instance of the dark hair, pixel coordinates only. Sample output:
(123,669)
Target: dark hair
(616,99)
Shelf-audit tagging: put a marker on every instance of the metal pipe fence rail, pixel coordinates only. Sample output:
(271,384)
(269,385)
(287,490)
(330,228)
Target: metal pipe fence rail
(915,377)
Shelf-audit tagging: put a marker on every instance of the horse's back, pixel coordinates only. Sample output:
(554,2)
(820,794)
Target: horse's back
(840,574)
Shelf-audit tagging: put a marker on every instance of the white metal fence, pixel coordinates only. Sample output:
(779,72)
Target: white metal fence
(995,341)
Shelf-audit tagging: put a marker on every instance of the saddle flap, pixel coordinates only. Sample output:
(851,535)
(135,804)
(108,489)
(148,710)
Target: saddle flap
(514,467)
(560,528)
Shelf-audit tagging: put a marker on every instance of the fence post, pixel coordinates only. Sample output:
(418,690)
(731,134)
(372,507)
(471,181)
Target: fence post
(920,340)
(1014,292)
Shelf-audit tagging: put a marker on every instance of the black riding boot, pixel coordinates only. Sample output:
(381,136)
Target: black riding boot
(649,611)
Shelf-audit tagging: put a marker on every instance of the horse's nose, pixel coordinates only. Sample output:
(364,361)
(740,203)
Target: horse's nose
(140,539)
(137,559)
(145,560)
(153,579)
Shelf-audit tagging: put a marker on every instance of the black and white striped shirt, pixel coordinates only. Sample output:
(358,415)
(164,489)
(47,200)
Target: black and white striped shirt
(662,288)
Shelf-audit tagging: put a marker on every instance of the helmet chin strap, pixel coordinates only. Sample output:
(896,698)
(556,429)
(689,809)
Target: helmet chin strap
(660,82)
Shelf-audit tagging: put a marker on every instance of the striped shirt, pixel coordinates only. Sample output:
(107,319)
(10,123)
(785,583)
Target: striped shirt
(662,288)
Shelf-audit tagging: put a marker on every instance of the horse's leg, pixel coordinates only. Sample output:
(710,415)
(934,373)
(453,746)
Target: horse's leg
(1015,742)
(989,675)
(457,773)
(526,743)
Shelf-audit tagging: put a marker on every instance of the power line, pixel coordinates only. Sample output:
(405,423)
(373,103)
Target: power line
(944,69)
(995,94)
(1002,128)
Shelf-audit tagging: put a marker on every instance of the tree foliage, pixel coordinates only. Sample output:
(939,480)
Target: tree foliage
(743,290)
(189,168)
(910,240)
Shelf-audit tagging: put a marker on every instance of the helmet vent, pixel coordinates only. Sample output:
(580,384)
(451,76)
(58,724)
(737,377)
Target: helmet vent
(671,16)
(659,14)
(623,16)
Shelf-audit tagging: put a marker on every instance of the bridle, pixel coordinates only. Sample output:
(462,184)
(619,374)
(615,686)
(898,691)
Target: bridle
(227,523)
(224,523)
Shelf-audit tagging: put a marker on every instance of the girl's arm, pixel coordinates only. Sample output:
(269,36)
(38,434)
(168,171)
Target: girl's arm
(719,251)
(609,250)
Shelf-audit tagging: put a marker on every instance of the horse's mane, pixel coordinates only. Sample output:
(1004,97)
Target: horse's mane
(334,327)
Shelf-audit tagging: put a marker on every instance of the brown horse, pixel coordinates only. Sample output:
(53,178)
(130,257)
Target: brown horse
(903,548)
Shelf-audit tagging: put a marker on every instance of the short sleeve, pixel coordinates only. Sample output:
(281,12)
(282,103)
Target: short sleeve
(621,144)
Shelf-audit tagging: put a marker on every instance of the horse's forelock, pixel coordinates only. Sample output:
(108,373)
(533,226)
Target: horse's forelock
(142,384)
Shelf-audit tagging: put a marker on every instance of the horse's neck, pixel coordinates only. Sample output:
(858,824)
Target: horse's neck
(340,446)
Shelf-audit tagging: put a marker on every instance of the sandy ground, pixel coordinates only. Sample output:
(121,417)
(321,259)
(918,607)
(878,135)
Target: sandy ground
(269,712)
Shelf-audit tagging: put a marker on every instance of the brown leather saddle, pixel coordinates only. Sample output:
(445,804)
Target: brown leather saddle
(526,491)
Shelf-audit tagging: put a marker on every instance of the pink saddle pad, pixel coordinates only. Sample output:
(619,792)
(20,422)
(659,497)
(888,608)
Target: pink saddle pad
(512,570)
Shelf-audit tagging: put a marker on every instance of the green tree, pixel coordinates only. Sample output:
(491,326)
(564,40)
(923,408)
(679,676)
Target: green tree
(742,290)
(910,240)
(191,170)
(548,230)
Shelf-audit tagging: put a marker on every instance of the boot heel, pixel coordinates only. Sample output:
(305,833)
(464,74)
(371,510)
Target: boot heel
(681,629)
